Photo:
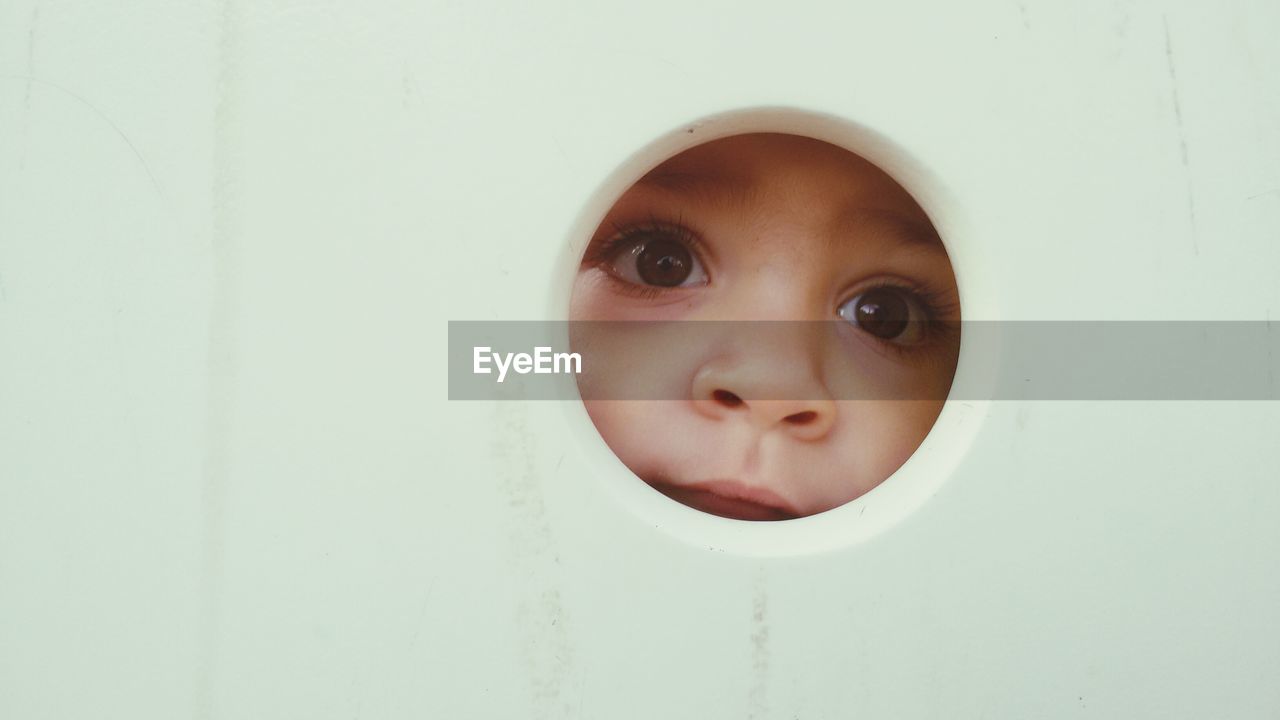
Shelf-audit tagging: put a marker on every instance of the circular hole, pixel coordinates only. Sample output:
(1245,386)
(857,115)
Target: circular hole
(770,326)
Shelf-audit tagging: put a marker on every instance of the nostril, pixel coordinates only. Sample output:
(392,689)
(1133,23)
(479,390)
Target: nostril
(802,418)
(726,398)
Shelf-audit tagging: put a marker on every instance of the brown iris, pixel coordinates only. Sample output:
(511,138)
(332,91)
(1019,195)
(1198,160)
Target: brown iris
(883,312)
(664,262)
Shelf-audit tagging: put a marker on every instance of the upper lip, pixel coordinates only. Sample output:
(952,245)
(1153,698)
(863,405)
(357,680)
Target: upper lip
(728,498)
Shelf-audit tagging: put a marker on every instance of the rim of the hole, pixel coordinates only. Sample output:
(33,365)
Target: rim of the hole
(928,467)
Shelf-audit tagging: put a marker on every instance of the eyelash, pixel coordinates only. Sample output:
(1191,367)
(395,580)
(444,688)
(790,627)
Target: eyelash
(599,254)
(934,304)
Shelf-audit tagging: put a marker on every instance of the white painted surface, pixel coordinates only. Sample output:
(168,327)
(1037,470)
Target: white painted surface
(231,484)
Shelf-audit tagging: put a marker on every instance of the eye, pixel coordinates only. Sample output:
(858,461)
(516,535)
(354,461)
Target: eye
(656,257)
(888,313)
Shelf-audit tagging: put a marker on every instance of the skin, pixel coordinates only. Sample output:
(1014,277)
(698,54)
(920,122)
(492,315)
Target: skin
(765,421)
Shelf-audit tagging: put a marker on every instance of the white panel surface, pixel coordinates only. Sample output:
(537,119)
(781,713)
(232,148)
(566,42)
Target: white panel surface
(232,484)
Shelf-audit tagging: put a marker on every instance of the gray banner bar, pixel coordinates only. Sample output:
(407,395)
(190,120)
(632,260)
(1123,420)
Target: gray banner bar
(1053,360)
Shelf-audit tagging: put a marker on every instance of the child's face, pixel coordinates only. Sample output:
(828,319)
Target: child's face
(770,227)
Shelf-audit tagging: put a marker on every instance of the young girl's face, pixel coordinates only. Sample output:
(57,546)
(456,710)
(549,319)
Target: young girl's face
(759,420)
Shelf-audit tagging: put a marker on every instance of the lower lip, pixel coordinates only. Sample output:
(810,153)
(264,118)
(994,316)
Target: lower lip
(722,505)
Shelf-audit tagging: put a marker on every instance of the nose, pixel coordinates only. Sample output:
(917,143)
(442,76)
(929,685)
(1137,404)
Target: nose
(771,393)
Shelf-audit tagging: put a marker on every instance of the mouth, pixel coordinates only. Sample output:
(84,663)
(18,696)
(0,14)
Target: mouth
(727,499)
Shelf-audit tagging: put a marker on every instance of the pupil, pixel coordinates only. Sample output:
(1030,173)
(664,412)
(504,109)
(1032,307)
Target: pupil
(883,313)
(664,262)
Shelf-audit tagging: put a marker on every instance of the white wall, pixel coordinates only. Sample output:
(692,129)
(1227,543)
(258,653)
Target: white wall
(232,484)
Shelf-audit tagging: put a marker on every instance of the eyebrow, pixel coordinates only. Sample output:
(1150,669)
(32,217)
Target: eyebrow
(740,190)
(728,189)
(918,235)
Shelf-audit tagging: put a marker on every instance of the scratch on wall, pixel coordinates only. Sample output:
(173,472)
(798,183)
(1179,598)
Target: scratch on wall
(142,160)
(1271,359)
(220,385)
(757,697)
(540,614)
(1182,134)
(31,72)
(423,616)
(408,86)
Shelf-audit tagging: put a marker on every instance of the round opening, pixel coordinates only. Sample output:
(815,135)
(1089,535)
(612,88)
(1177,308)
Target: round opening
(769,321)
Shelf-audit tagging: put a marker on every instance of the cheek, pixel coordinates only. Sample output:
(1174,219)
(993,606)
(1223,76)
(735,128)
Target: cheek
(869,442)
(590,299)
(596,296)
(641,433)
(858,370)
(638,361)
(617,422)
(888,432)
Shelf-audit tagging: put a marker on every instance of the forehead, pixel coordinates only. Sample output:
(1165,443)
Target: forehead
(807,175)
(770,159)
(746,150)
